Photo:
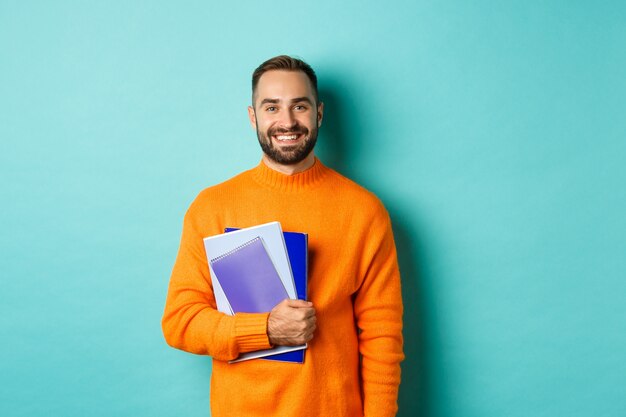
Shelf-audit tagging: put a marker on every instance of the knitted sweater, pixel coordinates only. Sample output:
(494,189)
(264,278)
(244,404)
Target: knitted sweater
(352,364)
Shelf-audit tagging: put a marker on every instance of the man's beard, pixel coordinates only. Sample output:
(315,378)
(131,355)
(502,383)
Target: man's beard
(288,155)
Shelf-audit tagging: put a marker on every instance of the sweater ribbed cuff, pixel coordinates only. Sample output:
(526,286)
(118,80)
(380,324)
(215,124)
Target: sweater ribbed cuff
(251,331)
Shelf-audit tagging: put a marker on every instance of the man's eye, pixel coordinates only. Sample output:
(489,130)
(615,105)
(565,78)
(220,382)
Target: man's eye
(270,109)
(300,107)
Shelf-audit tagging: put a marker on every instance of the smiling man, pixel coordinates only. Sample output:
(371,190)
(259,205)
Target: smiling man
(353,319)
(286,115)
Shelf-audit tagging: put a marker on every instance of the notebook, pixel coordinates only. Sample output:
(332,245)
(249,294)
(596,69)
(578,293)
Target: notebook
(273,239)
(297,250)
(249,278)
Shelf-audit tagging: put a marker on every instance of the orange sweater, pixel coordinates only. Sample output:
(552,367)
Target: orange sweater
(352,365)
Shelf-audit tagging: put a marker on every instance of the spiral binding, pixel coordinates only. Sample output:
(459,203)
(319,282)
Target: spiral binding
(222,256)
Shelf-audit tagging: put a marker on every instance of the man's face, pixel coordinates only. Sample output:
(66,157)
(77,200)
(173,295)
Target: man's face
(286,116)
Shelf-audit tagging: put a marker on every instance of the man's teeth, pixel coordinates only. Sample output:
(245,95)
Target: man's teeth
(286,137)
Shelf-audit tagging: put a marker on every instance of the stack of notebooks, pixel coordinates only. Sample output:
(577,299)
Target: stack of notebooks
(254,269)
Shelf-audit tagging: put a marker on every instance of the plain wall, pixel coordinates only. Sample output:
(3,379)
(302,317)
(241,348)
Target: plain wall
(494,132)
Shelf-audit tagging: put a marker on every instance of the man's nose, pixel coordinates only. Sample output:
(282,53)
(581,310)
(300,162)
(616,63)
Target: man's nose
(288,120)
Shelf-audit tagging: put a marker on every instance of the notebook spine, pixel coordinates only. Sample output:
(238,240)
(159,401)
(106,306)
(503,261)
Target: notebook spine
(230,252)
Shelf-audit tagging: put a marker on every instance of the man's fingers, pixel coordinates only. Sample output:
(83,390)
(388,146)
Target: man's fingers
(299,308)
(309,314)
(292,322)
(296,303)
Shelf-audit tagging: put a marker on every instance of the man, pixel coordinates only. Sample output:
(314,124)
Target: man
(353,321)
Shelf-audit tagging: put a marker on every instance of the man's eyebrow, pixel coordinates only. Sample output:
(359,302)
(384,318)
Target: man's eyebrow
(293,100)
(299,99)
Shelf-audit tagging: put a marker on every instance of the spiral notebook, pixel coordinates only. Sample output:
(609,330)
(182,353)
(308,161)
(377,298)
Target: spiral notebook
(249,278)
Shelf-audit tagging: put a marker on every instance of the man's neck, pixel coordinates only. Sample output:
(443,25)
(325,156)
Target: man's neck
(301,166)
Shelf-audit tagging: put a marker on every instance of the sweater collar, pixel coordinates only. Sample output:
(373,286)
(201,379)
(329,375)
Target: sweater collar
(274,179)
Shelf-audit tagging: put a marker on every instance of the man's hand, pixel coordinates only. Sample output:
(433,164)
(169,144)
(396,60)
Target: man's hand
(291,323)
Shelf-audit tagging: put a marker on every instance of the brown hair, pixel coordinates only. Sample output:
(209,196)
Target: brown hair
(285,63)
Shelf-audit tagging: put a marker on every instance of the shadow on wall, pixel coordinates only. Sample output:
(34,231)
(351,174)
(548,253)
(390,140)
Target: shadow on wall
(331,145)
(415,389)
(338,141)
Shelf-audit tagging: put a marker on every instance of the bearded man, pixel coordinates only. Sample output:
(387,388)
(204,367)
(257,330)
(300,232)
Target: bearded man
(353,319)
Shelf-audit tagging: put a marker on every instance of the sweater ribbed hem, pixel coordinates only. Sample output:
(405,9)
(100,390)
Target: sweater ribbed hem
(251,331)
(274,179)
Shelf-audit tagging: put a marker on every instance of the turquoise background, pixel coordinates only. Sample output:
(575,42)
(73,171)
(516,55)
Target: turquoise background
(494,132)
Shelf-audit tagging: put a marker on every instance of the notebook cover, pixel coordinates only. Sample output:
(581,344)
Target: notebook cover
(249,278)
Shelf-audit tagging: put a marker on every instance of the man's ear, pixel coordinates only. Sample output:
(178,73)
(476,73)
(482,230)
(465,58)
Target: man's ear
(320,113)
(252,117)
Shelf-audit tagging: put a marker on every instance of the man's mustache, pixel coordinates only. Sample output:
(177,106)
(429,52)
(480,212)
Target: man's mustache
(297,129)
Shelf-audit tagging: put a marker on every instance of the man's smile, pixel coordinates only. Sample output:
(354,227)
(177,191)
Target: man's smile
(286,137)
(292,136)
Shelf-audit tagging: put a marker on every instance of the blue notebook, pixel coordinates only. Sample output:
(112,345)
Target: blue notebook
(297,250)
(249,278)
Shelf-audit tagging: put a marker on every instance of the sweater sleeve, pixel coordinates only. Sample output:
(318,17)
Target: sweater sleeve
(378,311)
(191,321)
